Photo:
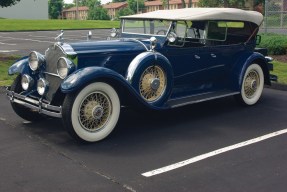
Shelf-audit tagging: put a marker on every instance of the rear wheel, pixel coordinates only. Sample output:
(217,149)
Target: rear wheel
(24,112)
(91,114)
(252,85)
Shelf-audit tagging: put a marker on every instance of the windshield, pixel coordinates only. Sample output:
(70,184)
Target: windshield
(146,27)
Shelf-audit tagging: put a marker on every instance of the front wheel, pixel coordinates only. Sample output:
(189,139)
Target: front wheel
(91,114)
(252,85)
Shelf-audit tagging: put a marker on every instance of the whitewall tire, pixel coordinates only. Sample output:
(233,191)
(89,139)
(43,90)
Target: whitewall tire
(252,85)
(92,114)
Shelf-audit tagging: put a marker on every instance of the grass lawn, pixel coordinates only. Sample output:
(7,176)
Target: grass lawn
(5,62)
(24,25)
(280,69)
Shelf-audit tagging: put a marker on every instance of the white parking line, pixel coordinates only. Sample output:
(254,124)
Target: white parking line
(6,43)
(213,153)
(27,39)
(7,51)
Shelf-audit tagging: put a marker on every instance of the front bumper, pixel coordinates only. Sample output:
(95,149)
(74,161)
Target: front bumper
(39,105)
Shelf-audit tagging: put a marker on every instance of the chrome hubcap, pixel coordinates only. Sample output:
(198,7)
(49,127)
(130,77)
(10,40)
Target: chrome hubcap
(95,111)
(155,84)
(152,83)
(98,112)
(252,81)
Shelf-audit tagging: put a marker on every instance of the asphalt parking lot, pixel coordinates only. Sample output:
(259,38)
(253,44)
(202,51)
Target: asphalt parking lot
(22,43)
(42,157)
(212,146)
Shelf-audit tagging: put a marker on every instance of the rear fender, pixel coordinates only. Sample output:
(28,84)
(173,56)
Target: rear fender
(240,69)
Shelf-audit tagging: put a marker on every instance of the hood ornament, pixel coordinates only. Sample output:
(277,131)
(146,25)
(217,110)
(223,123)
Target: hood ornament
(89,35)
(60,38)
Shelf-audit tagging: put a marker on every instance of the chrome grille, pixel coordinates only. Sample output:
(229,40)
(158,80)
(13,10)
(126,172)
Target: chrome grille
(52,55)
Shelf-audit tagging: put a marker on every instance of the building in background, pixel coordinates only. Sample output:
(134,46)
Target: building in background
(71,13)
(173,4)
(113,8)
(26,9)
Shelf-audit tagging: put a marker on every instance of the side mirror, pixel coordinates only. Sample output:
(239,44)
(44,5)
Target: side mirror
(153,41)
(258,39)
(171,37)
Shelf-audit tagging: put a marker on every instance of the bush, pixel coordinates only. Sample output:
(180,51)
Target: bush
(276,44)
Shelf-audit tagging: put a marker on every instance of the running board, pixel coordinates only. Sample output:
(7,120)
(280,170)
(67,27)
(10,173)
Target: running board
(173,103)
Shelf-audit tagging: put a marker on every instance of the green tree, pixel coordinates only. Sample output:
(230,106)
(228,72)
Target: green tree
(88,3)
(68,5)
(132,4)
(124,12)
(222,3)
(7,3)
(55,8)
(98,13)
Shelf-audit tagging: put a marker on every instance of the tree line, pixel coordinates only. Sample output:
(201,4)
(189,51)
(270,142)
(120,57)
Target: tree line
(97,12)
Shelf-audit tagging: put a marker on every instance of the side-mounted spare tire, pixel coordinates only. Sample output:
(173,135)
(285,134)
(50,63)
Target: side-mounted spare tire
(150,73)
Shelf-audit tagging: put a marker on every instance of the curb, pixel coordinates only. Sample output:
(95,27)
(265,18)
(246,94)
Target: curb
(2,89)
(277,86)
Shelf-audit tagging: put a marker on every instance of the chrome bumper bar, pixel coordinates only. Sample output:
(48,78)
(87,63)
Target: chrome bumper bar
(43,108)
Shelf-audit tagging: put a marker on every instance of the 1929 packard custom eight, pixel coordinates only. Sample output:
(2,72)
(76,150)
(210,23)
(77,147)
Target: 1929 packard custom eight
(157,60)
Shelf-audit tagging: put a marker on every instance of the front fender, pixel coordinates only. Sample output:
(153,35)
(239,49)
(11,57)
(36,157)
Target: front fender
(240,69)
(20,66)
(82,77)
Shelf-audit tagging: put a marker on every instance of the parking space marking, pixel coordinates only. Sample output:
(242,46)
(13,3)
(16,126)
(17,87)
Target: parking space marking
(27,39)
(6,43)
(212,153)
(7,51)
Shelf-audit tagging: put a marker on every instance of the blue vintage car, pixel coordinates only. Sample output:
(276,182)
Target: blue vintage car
(157,60)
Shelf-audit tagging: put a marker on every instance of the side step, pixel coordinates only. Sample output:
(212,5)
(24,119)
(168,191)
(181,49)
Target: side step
(199,98)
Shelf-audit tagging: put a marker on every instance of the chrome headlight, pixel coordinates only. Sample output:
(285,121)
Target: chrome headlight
(63,67)
(27,82)
(35,60)
(42,86)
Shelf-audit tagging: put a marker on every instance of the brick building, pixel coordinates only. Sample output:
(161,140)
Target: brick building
(113,8)
(71,13)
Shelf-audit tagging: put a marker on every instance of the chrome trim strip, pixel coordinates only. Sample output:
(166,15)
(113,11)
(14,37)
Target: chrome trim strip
(53,74)
(43,108)
(202,100)
(136,40)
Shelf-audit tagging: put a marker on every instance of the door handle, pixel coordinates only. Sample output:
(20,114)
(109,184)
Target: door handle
(213,55)
(197,57)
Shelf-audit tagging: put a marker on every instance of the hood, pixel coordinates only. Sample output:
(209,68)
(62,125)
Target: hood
(109,46)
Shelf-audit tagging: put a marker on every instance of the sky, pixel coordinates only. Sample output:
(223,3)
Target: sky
(102,1)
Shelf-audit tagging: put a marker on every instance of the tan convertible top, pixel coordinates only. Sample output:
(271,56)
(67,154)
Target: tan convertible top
(196,14)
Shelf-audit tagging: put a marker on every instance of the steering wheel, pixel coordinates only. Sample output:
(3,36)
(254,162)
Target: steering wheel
(162,30)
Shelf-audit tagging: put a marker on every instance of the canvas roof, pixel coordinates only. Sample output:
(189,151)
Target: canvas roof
(196,14)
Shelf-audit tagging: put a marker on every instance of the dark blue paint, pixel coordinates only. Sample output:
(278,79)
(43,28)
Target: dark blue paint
(190,70)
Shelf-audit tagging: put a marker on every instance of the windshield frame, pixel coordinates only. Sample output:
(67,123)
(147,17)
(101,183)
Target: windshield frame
(145,34)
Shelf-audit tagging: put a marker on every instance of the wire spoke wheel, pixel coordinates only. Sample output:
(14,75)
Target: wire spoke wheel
(94,111)
(152,83)
(251,83)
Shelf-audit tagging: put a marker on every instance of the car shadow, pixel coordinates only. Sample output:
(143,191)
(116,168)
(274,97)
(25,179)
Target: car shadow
(150,130)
